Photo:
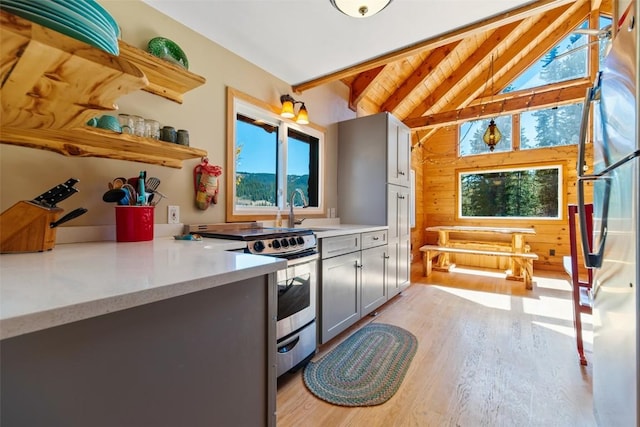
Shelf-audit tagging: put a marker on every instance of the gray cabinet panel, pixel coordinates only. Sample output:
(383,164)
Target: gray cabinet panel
(373,185)
(340,294)
(339,245)
(201,359)
(374,278)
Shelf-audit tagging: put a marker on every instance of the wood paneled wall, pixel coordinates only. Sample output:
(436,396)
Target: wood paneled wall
(436,163)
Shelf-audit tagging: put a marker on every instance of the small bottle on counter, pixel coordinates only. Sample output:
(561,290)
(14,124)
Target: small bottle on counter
(278,219)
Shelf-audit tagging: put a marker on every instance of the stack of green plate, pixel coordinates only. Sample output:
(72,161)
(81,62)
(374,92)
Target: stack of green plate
(83,20)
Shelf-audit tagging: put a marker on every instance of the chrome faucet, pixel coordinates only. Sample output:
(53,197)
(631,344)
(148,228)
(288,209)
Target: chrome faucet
(292,221)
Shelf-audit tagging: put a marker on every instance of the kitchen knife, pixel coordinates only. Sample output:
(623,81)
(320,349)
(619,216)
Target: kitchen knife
(68,217)
(64,193)
(57,193)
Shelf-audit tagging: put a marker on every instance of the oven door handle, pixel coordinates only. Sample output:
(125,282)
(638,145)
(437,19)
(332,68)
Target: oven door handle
(287,347)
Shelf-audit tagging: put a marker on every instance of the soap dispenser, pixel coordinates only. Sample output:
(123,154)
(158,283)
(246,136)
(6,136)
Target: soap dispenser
(278,219)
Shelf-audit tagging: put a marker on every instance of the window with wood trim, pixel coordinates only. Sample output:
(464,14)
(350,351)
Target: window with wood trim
(534,192)
(272,157)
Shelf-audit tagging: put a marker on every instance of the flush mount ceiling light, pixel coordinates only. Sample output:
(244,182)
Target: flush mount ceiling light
(360,8)
(288,110)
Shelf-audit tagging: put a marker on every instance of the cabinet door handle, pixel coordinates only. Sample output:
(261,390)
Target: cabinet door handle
(401,173)
(376,238)
(359,265)
(400,197)
(386,256)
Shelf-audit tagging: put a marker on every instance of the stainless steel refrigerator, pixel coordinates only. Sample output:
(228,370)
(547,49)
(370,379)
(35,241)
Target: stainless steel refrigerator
(614,255)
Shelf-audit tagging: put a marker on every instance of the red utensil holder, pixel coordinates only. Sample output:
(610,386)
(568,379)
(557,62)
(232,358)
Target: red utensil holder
(134,223)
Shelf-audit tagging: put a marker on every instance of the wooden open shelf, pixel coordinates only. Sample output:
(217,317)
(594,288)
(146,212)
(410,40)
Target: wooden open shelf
(51,85)
(94,142)
(165,79)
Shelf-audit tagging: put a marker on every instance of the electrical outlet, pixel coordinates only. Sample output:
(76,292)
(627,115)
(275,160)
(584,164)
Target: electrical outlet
(552,252)
(173,215)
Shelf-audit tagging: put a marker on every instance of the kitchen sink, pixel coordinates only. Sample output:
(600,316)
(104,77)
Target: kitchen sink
(318,229)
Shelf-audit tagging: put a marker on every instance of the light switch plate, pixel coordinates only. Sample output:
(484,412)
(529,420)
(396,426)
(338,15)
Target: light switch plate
(173,215)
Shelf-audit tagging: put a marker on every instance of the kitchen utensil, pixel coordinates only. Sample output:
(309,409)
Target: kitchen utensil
(155,202)
(132,194)
(142,194)
(117,183)
(114,195)
(68,217)
(152,184)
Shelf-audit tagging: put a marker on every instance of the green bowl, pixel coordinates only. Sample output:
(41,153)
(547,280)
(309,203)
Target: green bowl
(110,123)
(169,51)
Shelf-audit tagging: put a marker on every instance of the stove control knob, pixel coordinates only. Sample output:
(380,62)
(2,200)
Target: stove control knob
(258,246)
(300,240)
(284,243)
(292,241)
(275,244)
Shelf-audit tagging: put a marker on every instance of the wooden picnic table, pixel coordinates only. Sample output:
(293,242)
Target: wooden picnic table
(518,252)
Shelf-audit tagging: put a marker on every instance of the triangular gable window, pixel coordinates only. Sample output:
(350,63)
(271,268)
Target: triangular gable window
(565,61)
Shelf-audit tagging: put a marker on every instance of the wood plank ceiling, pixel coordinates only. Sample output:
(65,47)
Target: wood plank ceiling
(447,80)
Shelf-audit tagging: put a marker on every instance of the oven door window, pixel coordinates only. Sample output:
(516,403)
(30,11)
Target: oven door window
(294,295)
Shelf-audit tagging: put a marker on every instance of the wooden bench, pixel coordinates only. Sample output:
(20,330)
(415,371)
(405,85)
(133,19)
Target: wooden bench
(523,261)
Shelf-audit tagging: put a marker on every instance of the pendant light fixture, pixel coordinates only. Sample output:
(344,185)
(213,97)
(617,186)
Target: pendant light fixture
(492,135)
(360,8)
(288,110)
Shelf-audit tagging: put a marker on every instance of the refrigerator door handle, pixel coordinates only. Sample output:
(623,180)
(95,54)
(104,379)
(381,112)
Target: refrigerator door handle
(593,94)
(593,259)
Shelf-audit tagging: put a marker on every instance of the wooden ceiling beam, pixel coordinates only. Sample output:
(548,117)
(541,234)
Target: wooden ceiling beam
(517,14)
(419,75)
(459,74)
(360,84)
(478,84)
(529,100)
(539,28)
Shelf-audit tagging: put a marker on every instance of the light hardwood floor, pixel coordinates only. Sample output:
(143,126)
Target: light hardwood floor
(490,353)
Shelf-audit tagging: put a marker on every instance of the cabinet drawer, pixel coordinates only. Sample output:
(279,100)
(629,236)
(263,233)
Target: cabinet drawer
(374,238)
(338,245)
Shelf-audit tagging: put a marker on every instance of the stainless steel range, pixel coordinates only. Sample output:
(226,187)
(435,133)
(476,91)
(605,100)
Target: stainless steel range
(297,284)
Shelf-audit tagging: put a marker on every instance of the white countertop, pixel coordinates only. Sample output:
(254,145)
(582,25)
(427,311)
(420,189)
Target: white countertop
(322,231)
(81,280)
(76,281)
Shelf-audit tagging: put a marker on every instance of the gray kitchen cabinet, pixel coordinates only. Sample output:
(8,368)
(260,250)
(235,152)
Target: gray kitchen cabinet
(374,271)
(373,185)
(354,275)
(340,289)
(399,238)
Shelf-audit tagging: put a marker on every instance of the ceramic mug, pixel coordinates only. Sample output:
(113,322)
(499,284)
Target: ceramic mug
(168,134)
(183,137)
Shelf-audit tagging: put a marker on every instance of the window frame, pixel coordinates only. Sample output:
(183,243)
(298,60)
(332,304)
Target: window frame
(238,102)
(516,129)
(562,184)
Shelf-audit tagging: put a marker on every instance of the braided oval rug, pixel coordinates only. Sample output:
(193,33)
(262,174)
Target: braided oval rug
(364,370)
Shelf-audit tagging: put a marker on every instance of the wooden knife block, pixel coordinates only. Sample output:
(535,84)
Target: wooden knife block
(25,227)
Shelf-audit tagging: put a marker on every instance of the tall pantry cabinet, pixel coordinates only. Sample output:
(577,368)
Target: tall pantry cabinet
(373,185)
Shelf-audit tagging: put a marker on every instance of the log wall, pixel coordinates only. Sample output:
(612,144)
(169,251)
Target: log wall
(436,163)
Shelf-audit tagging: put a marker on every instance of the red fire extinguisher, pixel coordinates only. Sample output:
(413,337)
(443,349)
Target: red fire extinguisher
(205,180)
